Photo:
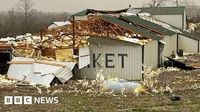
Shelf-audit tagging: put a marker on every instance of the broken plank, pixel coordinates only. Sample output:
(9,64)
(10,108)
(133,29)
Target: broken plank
(20,62)
(49,63)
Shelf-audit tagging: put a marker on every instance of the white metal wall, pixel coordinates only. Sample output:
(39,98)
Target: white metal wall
(151,54)
(187,44)
(132,63)
(170,45)
(175,20)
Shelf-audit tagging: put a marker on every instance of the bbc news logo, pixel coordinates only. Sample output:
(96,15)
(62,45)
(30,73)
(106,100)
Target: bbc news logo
(27,100)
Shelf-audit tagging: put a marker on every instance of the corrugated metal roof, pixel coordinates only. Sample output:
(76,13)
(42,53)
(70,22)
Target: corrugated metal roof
(151,10)
(64,74)
(193,36)
(81,13)
(163,10)
(148,24)
(92,11)
(130,27)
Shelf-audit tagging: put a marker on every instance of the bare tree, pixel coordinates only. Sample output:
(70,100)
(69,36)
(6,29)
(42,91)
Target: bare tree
(11,21)
(24,19)
(25,8)
(156,3)
(179,2)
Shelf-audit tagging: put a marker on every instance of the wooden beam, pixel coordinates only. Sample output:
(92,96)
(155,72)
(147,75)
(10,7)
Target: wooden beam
(20,62)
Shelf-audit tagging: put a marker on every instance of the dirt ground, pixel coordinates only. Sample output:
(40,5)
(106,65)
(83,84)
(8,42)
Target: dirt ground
(81,96)
(69,102)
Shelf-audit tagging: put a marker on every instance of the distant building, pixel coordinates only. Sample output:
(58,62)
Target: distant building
(175,16)
(58,24)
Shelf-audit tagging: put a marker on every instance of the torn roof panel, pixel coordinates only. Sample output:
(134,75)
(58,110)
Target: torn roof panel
(129,27)
(20,71)
(64,74)
(39,72)
(44,69)
(40,79)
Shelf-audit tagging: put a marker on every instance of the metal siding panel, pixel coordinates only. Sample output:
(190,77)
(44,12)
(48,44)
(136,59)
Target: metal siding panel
(170,45)
(151,54)
(64,74)
(133,64)
(39,73)
(187,44)
(45,69)
(175,20)
(69,64)
(20,71)
(40,79)
(43,74)
(84,57)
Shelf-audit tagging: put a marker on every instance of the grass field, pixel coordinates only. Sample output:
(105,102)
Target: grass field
(94,102)
(84,96)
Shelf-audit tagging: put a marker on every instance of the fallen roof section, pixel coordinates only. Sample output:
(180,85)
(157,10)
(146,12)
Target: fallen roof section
(39,72)
(61,23)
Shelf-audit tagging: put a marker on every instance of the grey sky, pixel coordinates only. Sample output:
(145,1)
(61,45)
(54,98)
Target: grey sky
(77,5)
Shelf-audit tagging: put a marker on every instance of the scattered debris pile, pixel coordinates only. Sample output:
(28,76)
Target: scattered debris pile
(186,62)
(52,56)
(5,82)
(177,63)
(192,60)
(178,80)
(61,45)
(171,79)
(39,71)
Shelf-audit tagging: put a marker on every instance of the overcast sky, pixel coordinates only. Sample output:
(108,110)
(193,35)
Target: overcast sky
(77,5)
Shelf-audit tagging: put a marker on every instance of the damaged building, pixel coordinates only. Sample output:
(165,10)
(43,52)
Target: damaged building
(120,56)
(117,43)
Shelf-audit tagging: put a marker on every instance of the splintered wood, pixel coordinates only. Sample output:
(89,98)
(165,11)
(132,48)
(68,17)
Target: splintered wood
(71,36)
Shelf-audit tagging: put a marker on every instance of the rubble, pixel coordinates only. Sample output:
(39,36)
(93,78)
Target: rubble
(170,80)
(39,71)
(181,65)
(5,82)
(52,56)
